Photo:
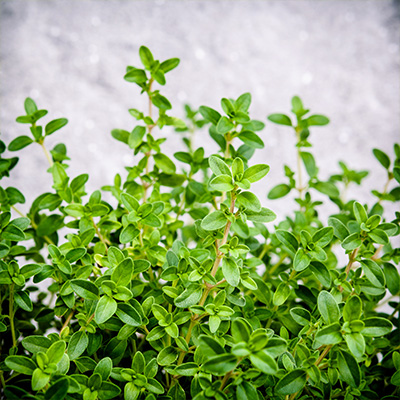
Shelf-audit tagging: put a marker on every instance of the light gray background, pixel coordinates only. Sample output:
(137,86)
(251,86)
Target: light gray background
(341,57)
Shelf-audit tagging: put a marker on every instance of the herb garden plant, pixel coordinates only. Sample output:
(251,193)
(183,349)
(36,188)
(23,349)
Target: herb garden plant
(174,282)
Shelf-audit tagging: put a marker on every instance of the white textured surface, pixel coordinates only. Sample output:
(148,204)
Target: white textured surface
(341,57)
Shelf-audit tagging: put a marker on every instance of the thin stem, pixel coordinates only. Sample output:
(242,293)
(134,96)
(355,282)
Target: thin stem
(100,236)
(67,320)
(47,154)
(34,226)
(225,380)
(377,251)
(11,315)
(320,358)
(352,258)
(300,187)
(18,212)
(213,273)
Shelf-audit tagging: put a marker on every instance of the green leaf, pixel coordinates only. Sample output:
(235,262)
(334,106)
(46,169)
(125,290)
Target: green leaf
(327,188)
(164,163)
(85,289)
(169,65)
(263,216)
(224,125)
(373,273)
(122,274)
(189,297)
(210,346)
(12,232)
(396,175)
(220,364)
(301,315)
(288,240)
(187,369)
(359,212)
(309,163)
(23,300)
(222,183)
(146,57)
(279,191)
(127,314)
(352,242)
(36,343)
(20,364)
(39,379)
(218,166)
(136,76)
(323,236)
(55,125)
(328,307)
(382,157)
(243,102)
(317,120)
(105,309)
(378,236)
(328,335)
(339,229)
(280,119)
(231,271)
(131,392)
(352,309)
(301,260)
(58,390)
(241,330)
(136,136)
(121,135)
(376,326)
(209,114)
(167,356)
(249,201)
(104,368)
(77,344)
(392,278)
(19,143)
(256,172)
(292,382)
(128,234)
(349,369)
(264,362)
(56,351)
(215,220)
(355,343)
(251,139)
(246,391)
(281,294)
(30,106)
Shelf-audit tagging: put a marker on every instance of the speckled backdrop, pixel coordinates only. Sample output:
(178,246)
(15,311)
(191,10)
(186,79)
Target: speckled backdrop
(341,57)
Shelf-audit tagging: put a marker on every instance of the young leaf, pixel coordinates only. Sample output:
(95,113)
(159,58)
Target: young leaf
(280,119)
(219,167)
(292,382)
(382,158)
(256,172)
(215,220)
(328,307)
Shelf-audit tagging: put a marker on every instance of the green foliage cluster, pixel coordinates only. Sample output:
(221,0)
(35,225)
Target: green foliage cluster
(180,286)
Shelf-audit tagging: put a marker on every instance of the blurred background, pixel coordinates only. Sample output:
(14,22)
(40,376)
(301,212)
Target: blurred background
(341,57)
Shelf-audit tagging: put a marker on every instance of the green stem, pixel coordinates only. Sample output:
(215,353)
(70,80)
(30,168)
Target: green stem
(320,358)
(47,154)
(213,273)
(11,315)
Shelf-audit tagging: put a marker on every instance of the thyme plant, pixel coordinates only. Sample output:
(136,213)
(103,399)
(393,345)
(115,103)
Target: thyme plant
(174,282)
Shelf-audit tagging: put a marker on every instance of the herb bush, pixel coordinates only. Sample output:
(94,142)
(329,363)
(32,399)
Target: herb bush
(181,286)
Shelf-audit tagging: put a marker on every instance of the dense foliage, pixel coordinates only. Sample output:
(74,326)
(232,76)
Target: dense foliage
(180,286)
